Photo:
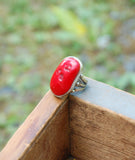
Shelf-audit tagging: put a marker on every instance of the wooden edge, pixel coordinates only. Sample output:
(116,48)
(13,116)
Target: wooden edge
(104,95)
(98,133)
(99,129)
(34,132)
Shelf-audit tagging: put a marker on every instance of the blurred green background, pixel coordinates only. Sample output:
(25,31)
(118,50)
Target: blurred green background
(36,35)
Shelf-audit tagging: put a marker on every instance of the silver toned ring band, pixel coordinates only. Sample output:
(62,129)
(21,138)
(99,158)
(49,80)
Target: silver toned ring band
(80,84)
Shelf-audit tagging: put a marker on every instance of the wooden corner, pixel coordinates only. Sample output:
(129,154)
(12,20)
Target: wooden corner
(97,124)
(98,132)
(43,135)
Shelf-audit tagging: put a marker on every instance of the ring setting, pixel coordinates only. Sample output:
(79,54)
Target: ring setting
(67,77)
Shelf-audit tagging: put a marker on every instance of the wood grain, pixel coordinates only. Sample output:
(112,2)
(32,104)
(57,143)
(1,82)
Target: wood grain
(100,134)
(95,124)
(44,135)
(104,95)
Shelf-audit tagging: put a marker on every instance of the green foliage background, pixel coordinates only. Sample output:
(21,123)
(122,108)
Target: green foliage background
(36,35)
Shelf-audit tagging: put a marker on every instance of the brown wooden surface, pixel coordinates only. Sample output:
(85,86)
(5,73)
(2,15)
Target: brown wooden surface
(106,96)
(44,135)
(97,133)
(96,124)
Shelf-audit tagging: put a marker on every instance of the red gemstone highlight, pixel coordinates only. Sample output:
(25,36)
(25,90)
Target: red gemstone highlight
(64,75)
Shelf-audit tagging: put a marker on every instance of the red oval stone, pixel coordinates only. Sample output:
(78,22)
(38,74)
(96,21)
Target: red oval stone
(64,75)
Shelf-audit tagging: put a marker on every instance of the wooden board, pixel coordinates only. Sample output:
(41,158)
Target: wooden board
(96,124)
(98,133)
(104,95)
(44,135)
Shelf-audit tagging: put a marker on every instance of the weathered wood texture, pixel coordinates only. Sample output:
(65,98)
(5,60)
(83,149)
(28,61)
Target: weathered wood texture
(97,133)
(106,96)
(44,135)
(96,124)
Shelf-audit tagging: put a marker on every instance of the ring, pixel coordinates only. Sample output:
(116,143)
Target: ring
(67,77)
